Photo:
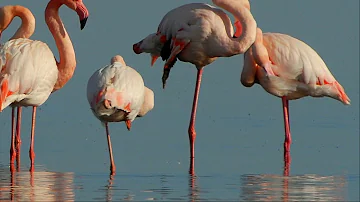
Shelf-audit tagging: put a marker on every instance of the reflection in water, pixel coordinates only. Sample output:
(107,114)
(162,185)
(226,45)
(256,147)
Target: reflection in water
(282,188)
(193,188)
(36,186)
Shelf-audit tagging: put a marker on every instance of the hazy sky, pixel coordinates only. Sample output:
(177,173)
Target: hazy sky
(228,113)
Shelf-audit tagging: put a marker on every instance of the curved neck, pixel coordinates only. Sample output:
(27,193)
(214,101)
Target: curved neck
(240,9)
(27,26)
(67,63)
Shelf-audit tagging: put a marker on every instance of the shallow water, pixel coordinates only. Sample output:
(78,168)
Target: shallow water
(43,185)
(239,130)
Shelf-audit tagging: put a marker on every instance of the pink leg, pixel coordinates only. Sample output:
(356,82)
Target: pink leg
(112,164)
(287,142)
(12,146)
(31,151)
(18,139)
(192,132)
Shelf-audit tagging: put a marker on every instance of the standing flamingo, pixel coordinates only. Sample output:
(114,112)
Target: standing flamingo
(117,93)
(26,29)
(290,69)
(27,79)
(199,33)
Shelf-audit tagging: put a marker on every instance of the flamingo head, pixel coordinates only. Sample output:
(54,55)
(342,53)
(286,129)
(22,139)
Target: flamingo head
(152,44)
(80,8)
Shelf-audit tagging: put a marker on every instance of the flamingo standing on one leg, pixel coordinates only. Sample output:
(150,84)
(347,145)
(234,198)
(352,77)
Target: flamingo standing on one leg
(290,69)
(26,29)
(117,93)
(199,33)
(27,79)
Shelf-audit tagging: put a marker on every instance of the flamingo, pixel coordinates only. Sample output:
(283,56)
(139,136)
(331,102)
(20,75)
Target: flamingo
(26,29)
(117,93)
(290,69)
(199,33)
(27,79)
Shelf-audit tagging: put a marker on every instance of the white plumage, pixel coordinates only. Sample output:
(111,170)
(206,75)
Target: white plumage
(121,85)
(28,73)
(299,70)
(117,93)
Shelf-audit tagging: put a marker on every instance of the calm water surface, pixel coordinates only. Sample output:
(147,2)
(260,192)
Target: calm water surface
(43,185)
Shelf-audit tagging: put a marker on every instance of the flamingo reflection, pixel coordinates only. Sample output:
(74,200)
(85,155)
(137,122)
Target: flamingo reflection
(36,186)
(293,188)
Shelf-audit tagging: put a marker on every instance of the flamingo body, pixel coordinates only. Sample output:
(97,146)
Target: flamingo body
(288,68)
(28,73)
(120,85)
(298,70)
(117,93)
(199,33)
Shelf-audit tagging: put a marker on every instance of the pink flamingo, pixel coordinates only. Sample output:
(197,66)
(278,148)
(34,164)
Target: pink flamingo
(117,93)
(199,33)
(290,69)
(26,29)
(27,79)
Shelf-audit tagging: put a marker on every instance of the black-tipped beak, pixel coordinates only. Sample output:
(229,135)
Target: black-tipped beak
(83,23)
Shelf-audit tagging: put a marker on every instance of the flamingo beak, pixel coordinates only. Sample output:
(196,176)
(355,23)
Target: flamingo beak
(238,30)
(83,13)
(153,59)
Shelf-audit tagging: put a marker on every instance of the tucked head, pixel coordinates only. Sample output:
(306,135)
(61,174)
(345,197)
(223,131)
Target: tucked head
(152,44)
(118,58)
(79,7)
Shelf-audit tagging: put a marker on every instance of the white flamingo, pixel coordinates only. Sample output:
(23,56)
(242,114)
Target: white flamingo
(26,29)
(29,71)
(290,69)
(117,93)
(200,33)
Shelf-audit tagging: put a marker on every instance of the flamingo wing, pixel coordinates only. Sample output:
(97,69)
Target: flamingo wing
(293,59)
(121,85)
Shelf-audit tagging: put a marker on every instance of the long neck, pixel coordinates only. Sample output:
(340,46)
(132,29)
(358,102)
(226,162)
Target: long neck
(67,63)
(241,11)
(27,26)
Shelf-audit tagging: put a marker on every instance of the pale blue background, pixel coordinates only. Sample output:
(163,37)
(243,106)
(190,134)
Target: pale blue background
(239,130)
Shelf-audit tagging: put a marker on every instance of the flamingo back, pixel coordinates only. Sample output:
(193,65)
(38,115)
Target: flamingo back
(121,86)
(28,73)
(294,59)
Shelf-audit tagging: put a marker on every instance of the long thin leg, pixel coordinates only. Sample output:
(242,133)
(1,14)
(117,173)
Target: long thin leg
(112,164)
(18,139)
(12,146)
(192,132)
(31,151)
(287,142)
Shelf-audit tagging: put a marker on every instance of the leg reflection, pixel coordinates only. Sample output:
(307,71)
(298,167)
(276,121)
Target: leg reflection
(192,166)
(287,162)
(109,188)
(193,188)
